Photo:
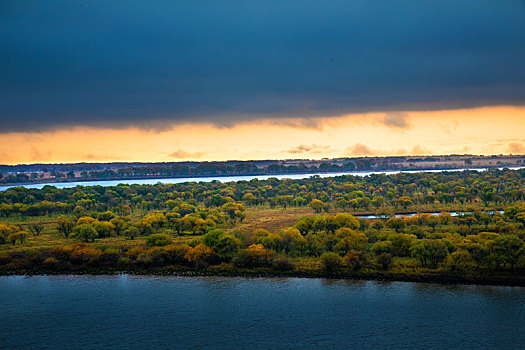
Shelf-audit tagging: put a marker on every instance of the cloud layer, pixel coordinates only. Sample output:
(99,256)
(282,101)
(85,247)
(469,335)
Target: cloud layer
(487,130)
(118,63)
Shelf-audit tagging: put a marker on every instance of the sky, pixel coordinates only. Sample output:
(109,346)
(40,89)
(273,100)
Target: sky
(217,80)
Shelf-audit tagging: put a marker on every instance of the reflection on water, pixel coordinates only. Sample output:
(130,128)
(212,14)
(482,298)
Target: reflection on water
(282,313)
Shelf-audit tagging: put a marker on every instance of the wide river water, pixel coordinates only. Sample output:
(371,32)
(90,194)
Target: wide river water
(226,178)
(107,312)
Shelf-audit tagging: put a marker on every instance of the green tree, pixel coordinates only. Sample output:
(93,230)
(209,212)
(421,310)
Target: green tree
(397,224)
(506,250)
(249,198)
(119,226)
(84,233)
(382,247)
(105,216)
(131,232)
(317,205)
(144,227)
(36,228)
(404,201)
(349,240)
(103,228)
(401,243)
(224,244)
(432,221)
(305,224)
(430,252)
(346,220)
(177,224)
(292,241)
(65,226)
(234,210)
(284,201)
(460,260)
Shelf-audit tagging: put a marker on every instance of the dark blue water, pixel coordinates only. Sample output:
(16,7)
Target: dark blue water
(171,312)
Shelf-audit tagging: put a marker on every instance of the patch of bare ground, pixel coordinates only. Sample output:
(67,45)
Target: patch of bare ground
(271,219)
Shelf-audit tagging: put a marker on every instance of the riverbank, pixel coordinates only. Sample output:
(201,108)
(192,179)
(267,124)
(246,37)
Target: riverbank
(444,278)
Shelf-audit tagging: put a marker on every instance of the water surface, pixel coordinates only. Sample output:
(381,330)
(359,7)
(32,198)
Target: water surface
(58,312)
(451,213)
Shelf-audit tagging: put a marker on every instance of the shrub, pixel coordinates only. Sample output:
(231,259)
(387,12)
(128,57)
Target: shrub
(61,253)
(176,254)
(158,240)
(85,255)
(151,257)
(5,231)
(17,237)
(385,260)
(254,256)
(282,263)
(111,256)
(201,256)
(50,262)
(331,261)
(355,259)
(134,252)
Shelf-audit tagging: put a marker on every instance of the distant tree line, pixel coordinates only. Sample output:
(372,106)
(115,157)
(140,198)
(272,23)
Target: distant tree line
(84,171)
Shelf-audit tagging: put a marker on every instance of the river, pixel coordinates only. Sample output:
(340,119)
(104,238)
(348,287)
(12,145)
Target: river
(451,213)
(226,178)
(123,312)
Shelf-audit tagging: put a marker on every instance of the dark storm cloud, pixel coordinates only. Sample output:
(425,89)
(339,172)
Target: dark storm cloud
(115,63)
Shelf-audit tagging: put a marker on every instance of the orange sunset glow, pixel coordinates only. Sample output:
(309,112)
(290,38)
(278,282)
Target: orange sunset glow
(487,130)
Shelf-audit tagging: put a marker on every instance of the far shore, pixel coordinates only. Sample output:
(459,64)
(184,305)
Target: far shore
(50,181)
